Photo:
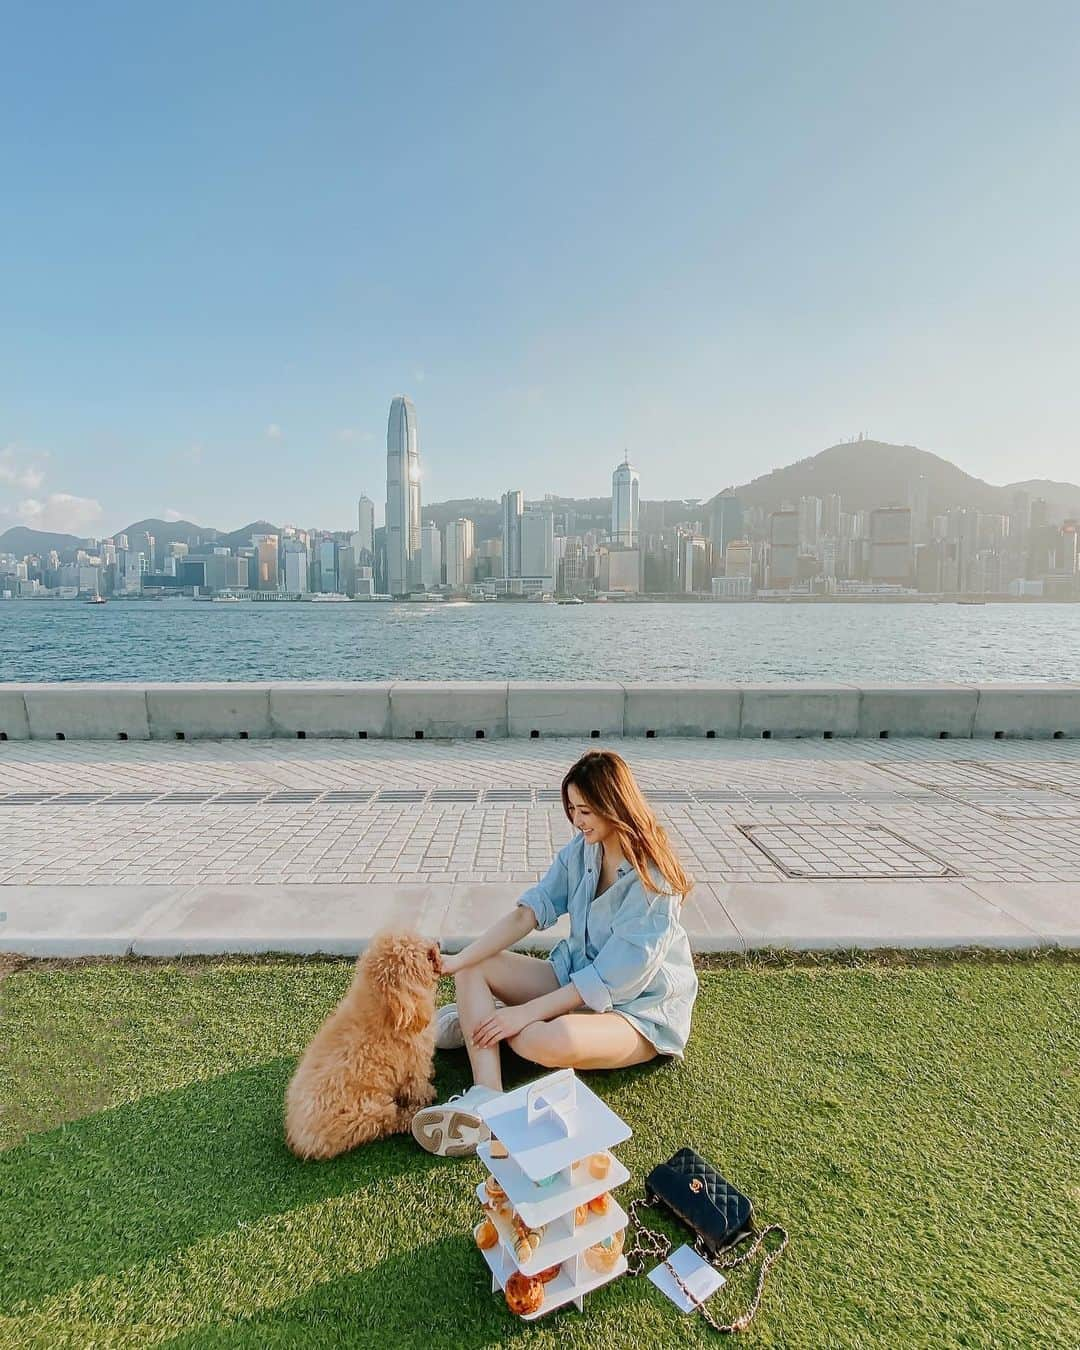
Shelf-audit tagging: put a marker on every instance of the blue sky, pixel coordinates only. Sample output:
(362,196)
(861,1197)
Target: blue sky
(722,236)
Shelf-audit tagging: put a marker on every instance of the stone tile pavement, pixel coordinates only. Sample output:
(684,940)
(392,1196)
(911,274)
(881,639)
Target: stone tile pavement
(313,841)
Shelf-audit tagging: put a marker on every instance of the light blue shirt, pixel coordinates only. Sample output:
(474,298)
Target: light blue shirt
(627,951)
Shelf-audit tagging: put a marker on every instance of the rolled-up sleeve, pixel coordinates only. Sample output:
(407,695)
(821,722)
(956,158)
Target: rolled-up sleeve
(549,899)
(628,961)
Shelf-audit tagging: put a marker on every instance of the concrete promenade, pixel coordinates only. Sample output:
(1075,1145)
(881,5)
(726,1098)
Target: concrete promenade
(163,847)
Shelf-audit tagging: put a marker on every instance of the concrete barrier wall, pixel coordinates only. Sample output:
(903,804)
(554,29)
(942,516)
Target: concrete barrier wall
(336,709)
(460,709)
(553,708)
(495,709)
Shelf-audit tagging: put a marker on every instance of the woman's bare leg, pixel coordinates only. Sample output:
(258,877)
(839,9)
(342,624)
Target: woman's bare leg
(583,1041)
(510,976)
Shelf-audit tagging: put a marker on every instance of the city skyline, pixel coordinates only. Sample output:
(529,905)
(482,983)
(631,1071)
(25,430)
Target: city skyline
(715,241)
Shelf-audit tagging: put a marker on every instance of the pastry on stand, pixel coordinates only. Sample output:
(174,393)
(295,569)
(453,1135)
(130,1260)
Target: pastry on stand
(558,1229)
(524,1294)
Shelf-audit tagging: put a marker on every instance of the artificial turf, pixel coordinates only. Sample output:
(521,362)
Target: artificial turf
(914,1125)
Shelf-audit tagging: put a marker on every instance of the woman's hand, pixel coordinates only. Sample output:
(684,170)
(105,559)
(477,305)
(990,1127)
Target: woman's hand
(502,1025)
(450,963)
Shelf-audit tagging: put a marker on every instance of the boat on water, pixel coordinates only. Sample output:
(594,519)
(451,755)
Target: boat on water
(571,600)
(96,599)
(226,598)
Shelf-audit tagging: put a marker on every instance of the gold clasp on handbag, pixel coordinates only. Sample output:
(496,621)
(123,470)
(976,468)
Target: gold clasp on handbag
(696,1185)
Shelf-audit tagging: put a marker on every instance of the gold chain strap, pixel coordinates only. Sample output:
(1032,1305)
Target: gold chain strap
(649,1243)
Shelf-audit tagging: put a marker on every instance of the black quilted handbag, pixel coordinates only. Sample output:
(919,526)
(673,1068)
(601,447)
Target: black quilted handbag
(720,1216)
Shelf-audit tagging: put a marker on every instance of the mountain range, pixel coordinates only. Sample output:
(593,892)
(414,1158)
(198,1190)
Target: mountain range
(864,473)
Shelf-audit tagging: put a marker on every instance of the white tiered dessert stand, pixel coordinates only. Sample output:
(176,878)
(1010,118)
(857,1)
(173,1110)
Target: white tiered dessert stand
(547,1127)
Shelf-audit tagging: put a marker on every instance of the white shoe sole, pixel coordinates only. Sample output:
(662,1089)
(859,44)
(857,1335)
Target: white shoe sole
(449,1131)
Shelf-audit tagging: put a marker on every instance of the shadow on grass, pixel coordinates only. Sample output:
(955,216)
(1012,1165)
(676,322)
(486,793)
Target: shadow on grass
(135,1183)
(437,1294)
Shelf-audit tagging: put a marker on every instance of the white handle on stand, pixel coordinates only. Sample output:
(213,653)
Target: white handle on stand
(556,1096)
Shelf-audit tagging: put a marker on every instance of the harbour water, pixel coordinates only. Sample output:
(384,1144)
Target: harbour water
(186,640)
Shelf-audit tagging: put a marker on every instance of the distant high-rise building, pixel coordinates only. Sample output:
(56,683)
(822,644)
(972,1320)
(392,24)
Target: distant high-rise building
(266,561)
(430,556)
(625,484)
(537,542)
(783,548)
(831,515)
(365,531)
(1040,514)
(919,501)
(739,558)
(327,555)
(809,522)
(891,555)
(513,506)
(460,554)
(402,498)
(296,567)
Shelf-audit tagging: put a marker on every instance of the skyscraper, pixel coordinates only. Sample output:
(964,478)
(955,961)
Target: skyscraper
(624,505)
(460,552)
(402,498)
(513,504)
(430,556)
(538,543)
(365,512)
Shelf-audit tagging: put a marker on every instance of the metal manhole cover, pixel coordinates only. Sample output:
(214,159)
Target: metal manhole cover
(705,795)
(290,796)
(549,794)
(349,795)
(183,798)
(469,795)
(511,795)
(25,798)
(235,798)
(129,798)
(75,798)
(403,794)
(839,852)
(667,794)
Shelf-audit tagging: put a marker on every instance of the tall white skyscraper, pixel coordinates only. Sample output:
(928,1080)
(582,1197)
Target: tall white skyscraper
(460,553)
(430,556)
(365,533)
(402,498)
(513,504)
(296,567)
(537,543)
(624,505)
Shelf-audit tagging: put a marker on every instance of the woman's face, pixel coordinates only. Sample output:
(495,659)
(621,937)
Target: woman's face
(595,828)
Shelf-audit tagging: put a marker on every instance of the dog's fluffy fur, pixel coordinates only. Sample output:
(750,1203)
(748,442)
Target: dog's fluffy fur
(370,1067)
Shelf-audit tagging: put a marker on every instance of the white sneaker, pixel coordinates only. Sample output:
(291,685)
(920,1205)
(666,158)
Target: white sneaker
(448,1032)
(453,1128)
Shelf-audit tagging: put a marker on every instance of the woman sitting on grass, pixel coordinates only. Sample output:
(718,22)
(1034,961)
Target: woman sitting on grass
(618,991)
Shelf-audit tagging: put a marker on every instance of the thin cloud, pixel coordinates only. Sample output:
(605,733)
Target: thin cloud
(60,513)
(18,469)
(273,432)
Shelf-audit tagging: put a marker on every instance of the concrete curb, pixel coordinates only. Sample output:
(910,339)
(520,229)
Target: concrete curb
(71,921)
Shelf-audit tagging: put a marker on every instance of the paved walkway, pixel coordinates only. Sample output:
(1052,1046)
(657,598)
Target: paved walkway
(249,845)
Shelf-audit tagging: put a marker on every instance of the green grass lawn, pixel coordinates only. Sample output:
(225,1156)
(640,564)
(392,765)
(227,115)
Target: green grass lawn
(914,1124)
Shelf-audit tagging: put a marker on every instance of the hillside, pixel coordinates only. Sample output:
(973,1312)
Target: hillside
(873,473)
(21,540)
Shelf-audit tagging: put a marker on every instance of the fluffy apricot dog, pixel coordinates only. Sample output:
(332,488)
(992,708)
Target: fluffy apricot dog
(369,1068)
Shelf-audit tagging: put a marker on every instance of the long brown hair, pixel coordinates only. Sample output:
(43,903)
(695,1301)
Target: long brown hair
(608,785)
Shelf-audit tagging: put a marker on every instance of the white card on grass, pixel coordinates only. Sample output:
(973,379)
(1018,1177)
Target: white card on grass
(699,1277)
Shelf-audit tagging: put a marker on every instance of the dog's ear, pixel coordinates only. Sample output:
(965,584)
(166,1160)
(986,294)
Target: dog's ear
(434,955)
